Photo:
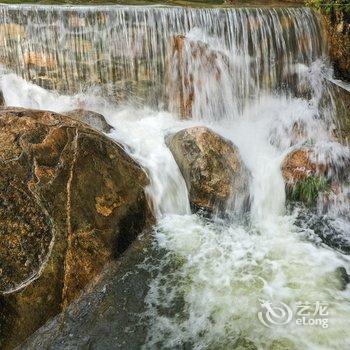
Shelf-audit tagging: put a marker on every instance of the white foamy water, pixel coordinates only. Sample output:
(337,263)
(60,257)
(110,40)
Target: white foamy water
(215,272)
(223,272)
(211,280)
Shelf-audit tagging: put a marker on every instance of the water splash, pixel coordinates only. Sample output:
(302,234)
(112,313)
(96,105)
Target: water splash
(256,77)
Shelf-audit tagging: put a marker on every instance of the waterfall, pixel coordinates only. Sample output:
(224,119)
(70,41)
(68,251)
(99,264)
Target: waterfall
(252,75)
(125,51)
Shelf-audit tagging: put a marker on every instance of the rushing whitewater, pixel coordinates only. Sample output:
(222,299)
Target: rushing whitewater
(250,75)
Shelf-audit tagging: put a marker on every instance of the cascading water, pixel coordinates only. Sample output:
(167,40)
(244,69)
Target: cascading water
(126,48)
(249,74)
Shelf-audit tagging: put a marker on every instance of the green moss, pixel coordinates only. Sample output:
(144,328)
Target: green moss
(328,6)
(308,190)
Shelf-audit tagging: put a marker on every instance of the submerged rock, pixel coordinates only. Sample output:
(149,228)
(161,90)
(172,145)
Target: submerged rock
(182,82)
(327,230)
(11,31)
(71,200)
(94,119)
(212,168)
(343,277)
(40,60)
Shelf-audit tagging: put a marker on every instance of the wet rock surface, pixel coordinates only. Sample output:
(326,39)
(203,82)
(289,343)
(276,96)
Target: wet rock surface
(298,166)
(212,168)
(95,120)
(185,52)
(109,315)
(307,178)
(341,99)
(337,24)
(26,234)
(306,162)
(2,99)
(71,200)
(319,191)
(325,229)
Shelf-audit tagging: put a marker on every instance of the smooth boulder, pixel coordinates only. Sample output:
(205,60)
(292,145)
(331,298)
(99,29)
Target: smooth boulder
(71,200)
(214,173)
(94,119)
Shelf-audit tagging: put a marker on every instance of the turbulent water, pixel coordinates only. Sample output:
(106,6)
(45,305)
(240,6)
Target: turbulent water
(249,74)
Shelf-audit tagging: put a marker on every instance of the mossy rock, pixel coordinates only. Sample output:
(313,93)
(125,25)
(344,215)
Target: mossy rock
(309,189)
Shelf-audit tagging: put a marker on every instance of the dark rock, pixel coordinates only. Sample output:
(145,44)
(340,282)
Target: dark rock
(341,99)
(2,99)
(342,276)
(71,200)
(324,229)
(91,118)
(212,168)
(108,315)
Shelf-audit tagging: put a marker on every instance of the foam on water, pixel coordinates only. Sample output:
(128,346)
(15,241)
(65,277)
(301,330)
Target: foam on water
(215,272)
(221,274)
(213,275)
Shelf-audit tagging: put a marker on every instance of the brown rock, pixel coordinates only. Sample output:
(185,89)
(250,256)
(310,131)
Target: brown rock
(337,24)
(38,59)
(71,200)
(297,166)
(75,21)
(181,85)
(312,182)
(113,301)
(214,173)
(304,162)
(91,118)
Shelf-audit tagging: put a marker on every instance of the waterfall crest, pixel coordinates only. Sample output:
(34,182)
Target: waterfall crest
(125,51)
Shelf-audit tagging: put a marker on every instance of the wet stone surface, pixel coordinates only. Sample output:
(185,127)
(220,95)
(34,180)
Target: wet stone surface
(25,231)
(111,314)
(71,201)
